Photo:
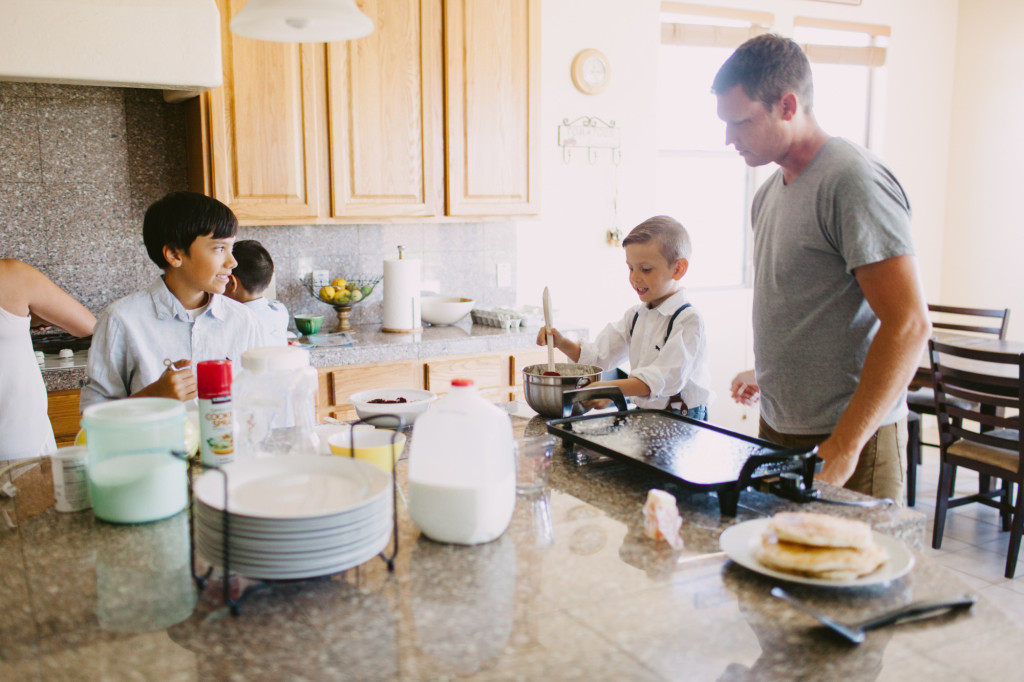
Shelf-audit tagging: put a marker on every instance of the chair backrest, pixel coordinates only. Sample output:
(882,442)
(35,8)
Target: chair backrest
(991,382)
(992,322)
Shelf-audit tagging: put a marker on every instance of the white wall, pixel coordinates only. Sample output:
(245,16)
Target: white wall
(984,236)
(565,249)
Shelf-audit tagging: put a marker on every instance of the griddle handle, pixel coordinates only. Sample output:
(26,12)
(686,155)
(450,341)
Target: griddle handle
(808,460)
(613,393)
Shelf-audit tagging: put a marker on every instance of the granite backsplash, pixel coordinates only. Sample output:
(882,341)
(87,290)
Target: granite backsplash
(79,165)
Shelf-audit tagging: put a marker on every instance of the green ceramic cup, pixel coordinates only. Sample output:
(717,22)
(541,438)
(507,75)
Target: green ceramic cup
(309,324)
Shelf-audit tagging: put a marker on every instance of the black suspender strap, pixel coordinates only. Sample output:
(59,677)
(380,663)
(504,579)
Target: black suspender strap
(671,321)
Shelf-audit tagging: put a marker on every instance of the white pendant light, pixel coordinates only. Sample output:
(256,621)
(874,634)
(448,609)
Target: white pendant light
(301,21)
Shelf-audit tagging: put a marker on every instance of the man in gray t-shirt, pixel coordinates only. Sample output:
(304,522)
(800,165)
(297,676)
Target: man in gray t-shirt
(839,315)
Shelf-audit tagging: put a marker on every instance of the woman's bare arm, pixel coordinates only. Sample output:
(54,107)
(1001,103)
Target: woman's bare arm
(25,291)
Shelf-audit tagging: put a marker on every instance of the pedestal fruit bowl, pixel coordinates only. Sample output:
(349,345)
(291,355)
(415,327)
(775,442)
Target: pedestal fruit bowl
(343,294)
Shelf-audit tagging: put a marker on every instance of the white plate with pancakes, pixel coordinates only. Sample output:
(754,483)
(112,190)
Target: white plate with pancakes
(743,542)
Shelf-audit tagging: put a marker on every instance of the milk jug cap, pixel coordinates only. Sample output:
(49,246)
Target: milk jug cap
(213,378)
(462,382)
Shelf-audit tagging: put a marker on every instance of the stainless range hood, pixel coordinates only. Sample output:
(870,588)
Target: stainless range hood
(170,45)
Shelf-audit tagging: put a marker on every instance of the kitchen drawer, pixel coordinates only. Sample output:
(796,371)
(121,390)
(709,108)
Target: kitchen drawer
(486,371)
(338,383)
(62,408)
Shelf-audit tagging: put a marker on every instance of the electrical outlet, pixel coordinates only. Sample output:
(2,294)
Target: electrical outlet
(504,275)
(321,278)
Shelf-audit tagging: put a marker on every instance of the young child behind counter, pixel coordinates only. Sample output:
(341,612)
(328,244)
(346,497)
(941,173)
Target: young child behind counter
(146,344)
(249,280)
(662,337)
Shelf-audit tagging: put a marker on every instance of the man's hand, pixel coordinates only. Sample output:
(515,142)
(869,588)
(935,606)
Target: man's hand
(177,382)
(744,388)
(839,465)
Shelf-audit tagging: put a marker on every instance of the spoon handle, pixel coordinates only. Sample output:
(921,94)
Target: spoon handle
(547,323)
(916,611)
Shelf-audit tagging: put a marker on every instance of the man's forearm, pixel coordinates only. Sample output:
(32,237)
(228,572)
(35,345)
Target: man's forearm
(888,368)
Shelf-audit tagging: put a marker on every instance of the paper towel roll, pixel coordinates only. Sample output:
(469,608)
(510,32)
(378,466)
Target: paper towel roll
(402,295)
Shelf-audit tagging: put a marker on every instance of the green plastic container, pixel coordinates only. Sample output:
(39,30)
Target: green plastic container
(133,477)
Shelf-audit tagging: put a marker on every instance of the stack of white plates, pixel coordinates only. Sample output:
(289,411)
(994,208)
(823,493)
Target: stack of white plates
(294,517)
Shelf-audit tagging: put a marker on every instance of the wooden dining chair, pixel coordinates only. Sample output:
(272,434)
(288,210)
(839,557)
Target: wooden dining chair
(991,322)
(980,437)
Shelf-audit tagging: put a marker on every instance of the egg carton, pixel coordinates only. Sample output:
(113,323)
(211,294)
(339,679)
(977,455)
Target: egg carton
(503,319)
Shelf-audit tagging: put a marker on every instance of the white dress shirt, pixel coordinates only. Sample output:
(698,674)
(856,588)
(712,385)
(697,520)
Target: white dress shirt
(677,366)
(135,334)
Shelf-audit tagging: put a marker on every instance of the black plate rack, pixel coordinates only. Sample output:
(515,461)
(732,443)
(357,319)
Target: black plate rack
(395,423)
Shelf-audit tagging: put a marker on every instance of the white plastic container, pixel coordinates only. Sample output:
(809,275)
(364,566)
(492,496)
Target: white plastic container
(275,403)
(462,474)
(133,477)
(70,484)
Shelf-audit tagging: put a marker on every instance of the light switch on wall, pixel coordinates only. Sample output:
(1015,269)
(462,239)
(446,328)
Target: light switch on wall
(504,274)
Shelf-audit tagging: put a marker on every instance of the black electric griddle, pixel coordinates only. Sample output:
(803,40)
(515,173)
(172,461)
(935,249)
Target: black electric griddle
(695,454)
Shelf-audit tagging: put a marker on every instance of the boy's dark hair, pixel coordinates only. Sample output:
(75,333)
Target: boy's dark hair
(255,267)
(767,66)
(180,217)
(672,237)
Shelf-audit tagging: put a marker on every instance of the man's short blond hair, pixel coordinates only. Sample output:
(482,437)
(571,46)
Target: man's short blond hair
(670,233)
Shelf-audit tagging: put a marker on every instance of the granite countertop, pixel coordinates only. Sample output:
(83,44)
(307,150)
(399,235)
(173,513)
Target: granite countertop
(370,345)
(572,590)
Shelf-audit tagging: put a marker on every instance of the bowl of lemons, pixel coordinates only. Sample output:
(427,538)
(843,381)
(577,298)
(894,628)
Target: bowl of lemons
(343,294)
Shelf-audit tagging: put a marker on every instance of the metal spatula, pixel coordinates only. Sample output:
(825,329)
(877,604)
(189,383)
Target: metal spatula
(855,632)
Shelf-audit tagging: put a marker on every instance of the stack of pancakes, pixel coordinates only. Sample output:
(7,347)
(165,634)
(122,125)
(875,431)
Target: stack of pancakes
(820,546)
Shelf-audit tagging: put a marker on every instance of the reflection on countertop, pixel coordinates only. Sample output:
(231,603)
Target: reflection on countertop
(573,589)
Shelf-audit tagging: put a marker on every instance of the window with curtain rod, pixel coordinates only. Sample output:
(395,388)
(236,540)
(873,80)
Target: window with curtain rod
(690,24)
(843,42)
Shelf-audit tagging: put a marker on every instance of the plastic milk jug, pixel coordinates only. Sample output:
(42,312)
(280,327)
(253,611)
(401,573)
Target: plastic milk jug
(462,475)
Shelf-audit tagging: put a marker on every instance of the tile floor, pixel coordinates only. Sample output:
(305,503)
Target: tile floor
(973,547)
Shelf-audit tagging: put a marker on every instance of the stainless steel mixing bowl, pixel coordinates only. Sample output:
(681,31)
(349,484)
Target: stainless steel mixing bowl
(544,393)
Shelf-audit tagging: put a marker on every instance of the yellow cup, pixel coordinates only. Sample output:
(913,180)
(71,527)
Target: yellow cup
(373,445)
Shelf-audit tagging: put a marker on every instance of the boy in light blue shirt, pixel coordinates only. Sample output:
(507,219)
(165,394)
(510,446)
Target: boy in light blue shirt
(182,317)
(249,280)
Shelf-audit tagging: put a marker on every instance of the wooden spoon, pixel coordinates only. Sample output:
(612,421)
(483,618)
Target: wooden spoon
(551,338)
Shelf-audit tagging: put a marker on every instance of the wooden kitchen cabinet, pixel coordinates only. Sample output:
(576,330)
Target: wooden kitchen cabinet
(256,142)
(497,376)
(336,384)
(492,70)
(489,373)
(62,408)
(385,105)
(434,113)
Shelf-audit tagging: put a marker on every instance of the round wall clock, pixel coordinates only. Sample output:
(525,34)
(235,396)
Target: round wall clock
(590,71)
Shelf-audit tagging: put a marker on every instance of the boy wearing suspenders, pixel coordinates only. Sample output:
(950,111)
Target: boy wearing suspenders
(662,337)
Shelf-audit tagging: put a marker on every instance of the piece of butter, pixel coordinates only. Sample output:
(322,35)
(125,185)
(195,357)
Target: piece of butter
(662,519)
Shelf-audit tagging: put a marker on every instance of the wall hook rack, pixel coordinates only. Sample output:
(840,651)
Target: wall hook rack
(589,133)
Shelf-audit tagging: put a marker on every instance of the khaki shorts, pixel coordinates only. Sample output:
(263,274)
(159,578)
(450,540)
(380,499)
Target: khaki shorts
(881,467)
